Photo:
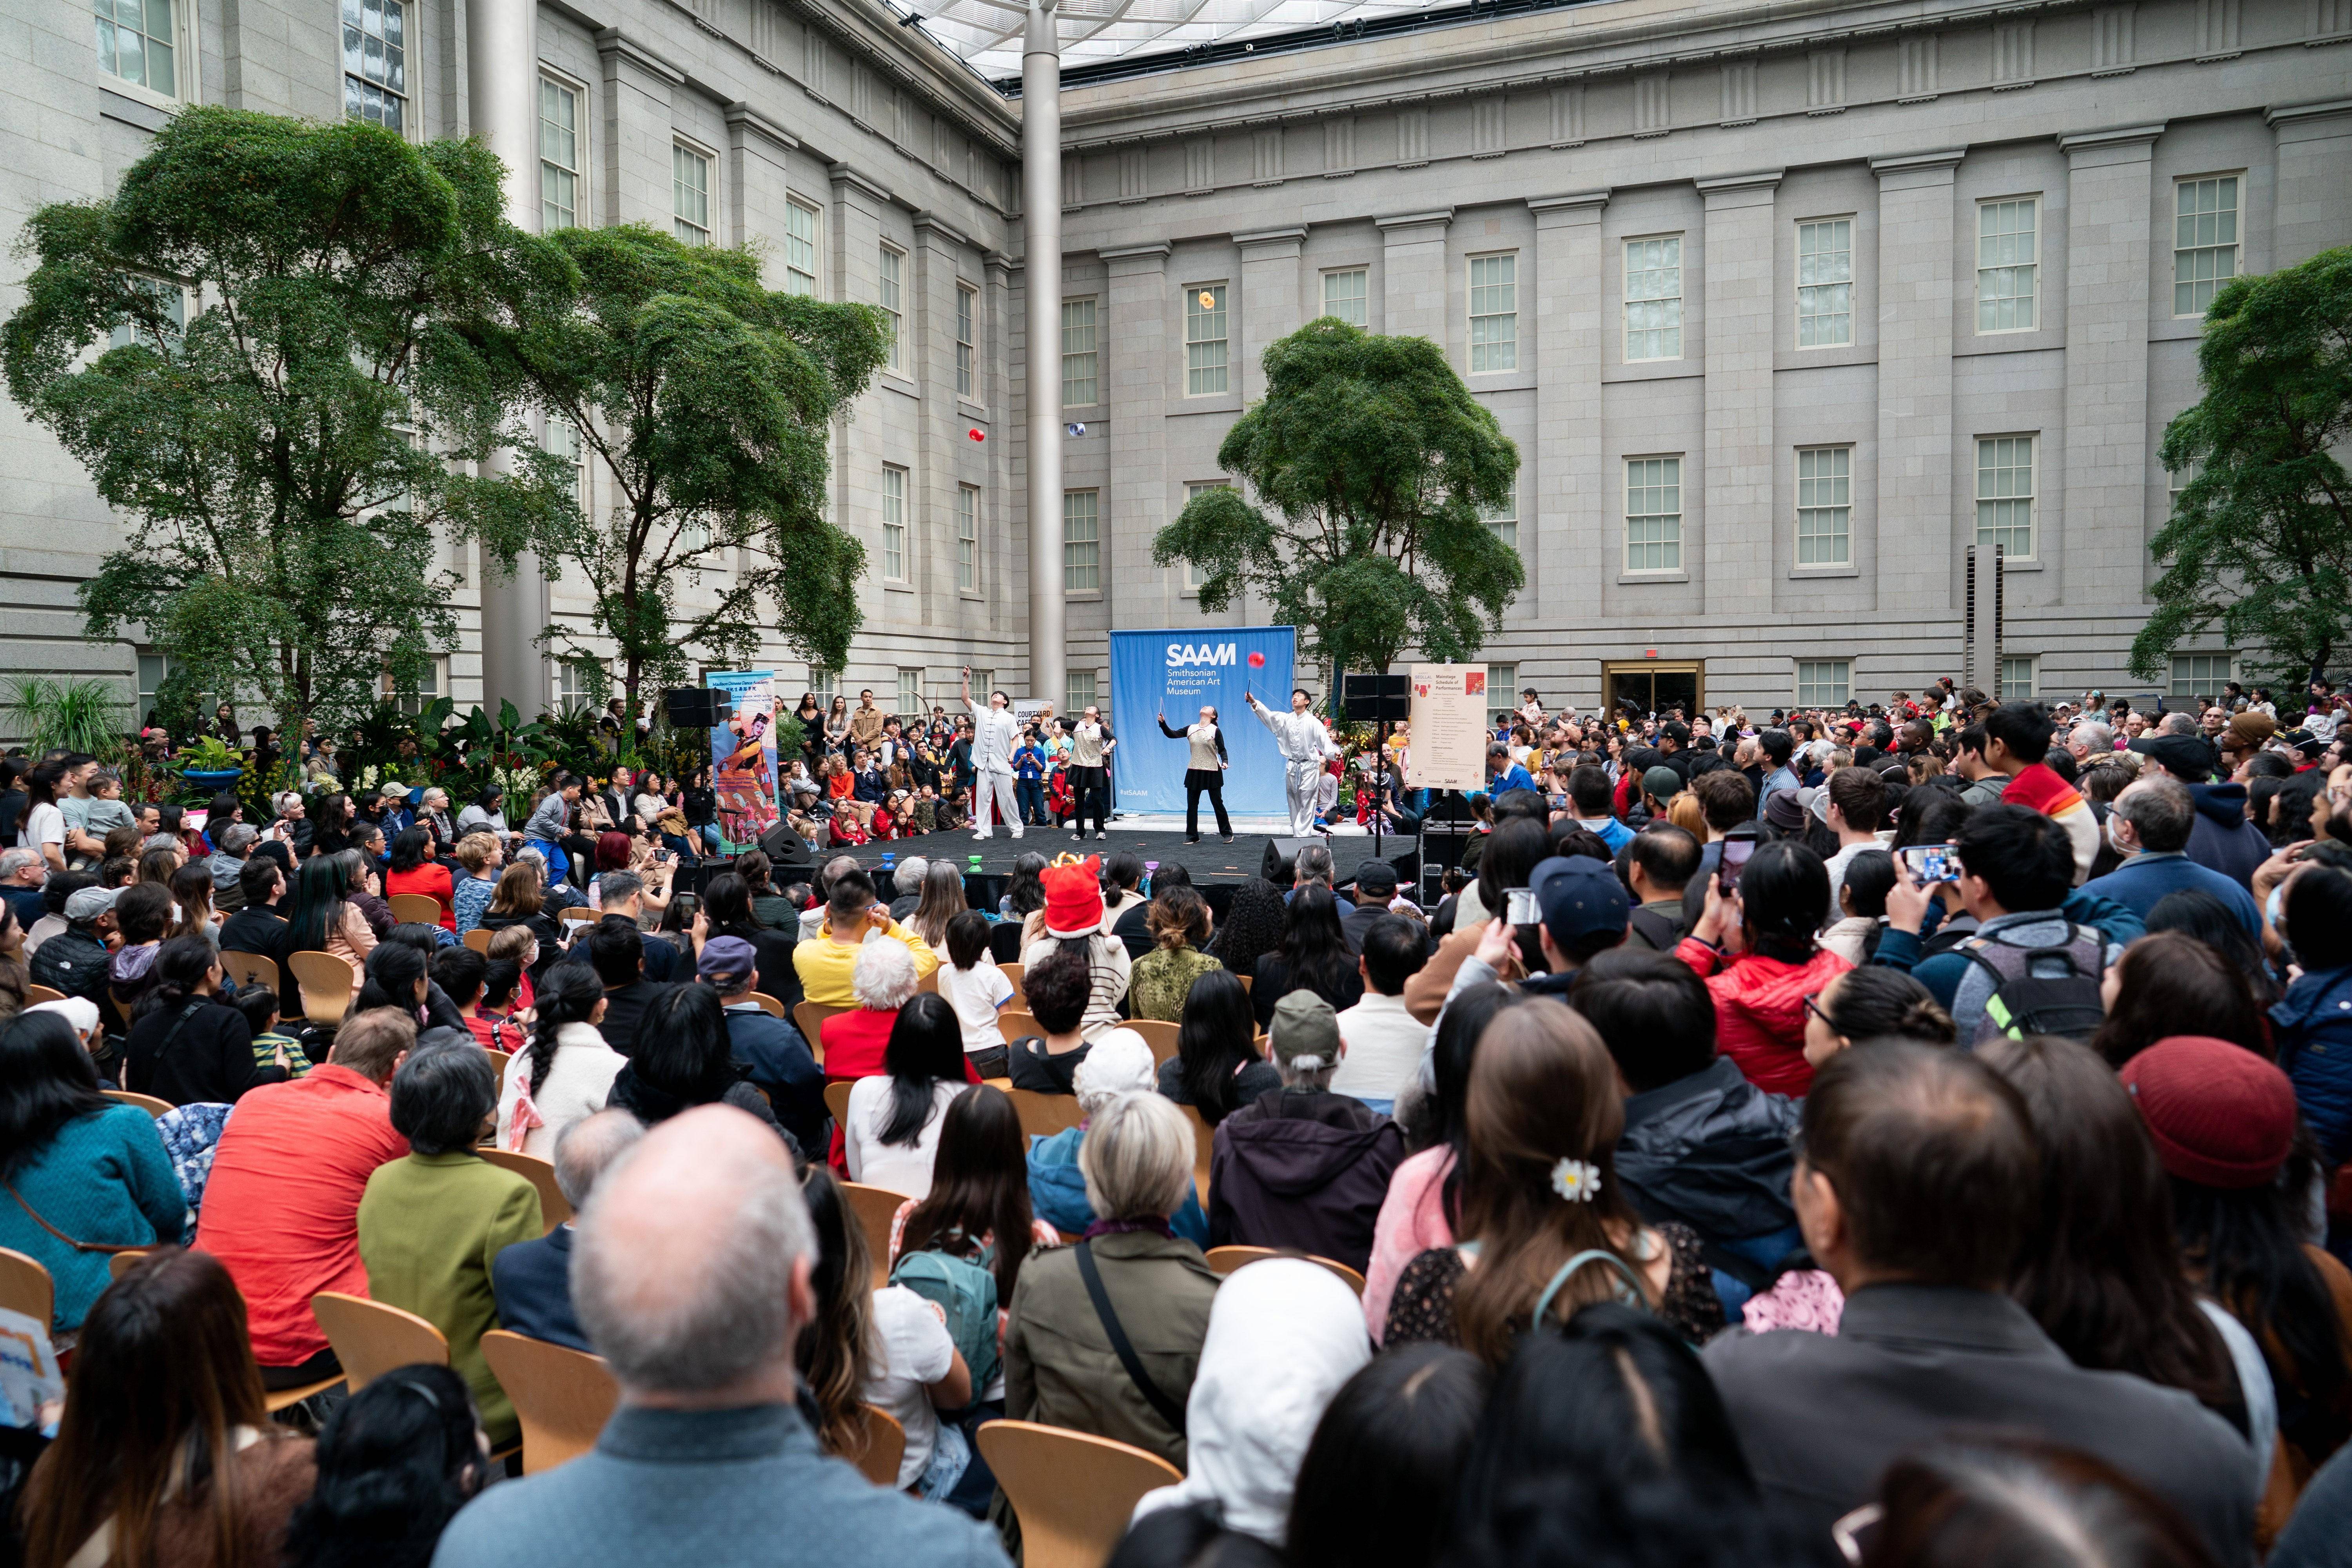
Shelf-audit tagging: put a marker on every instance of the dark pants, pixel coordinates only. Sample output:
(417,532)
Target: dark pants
(1029,795)
(1090,796)
(1215,791)
(276,1379)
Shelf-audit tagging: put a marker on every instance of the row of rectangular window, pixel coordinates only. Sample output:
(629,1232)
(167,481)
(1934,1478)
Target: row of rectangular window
(1829,683)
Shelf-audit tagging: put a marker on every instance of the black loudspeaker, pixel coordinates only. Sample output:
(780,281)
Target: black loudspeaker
(782,847)
(1368,698)
(1281,852)
(697,708)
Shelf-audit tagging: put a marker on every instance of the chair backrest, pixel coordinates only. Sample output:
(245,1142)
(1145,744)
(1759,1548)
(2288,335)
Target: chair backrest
(930,982)
(539,1173)
(1073,1492)
(146,1102)
(1245,980)
(371,1339)
(886,1445)
(26,1286)
(1225,1259)
(252,968)
(563,1396)
(580,912)
(1204,1149)
(874,1208)
(501,1060)
(37,995)
(415,909)
(121,1263)
(809,1017)
(1043,1115)
(768,1005)
(836,1099)
(1013,972)
(327,982)
(1159,1033)
(478,938)
(1016,1022)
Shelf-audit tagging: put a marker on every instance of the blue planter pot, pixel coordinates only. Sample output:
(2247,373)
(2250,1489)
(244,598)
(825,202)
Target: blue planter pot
(209,781)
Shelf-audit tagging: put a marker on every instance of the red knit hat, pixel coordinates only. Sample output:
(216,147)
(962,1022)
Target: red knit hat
(1074,901)
(2219,1114)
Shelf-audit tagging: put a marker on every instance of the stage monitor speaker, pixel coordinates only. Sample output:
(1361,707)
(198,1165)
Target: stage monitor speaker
(697,708)
(1367,698)
(782,847)
(1280,852)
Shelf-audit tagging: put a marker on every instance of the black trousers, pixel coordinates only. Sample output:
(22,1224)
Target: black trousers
(1199,781)
(1090,797)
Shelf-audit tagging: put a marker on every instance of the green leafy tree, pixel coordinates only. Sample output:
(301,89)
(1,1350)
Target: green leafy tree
(250,347)
(710,401)
(2260,540)
(1377,469)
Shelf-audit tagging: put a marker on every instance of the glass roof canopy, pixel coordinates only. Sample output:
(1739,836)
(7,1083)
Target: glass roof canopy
(987,33)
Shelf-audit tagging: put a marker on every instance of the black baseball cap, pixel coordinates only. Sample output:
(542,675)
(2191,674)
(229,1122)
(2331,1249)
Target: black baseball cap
(2185,757)
(1577,896)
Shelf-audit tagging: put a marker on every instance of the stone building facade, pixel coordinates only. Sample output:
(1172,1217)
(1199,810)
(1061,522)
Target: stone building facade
(1785,307)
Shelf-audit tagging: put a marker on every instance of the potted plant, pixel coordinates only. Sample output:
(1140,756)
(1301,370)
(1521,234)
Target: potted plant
(208,766)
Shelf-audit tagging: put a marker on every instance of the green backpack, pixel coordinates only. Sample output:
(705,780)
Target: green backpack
(966,1292)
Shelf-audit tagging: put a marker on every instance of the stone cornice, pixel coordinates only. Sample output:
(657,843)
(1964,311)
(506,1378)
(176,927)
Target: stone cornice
(751,119)
(2120,136)
(1440,216)
(2289,114)
(613,42)
(1561,203)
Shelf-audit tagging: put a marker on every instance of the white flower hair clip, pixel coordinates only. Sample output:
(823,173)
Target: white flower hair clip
(1575,1180)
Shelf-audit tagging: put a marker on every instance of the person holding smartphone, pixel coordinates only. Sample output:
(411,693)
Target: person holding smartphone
(1754,944)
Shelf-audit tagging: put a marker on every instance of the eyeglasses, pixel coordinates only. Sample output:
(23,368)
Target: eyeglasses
(1813,1005)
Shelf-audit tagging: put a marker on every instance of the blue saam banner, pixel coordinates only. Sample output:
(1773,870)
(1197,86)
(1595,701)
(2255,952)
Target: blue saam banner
(1178,672)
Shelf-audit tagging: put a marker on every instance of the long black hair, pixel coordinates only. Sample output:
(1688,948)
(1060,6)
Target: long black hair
(46,1079)
(394,968)
(1026,893)
(727,902)
(1376,1487)
(408,849)
(1784,894)
(926,1049)
(1447,1113)
(181,966)
(396,1461)
(1314,949)
(980,1187)
(1217,1038)
(319,895)
(567,993)
(682,1045)
(1252,927)
(1511,852)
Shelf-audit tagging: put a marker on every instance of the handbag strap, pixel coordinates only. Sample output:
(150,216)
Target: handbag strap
(1630,1282)
(1168,1409)
(61,1236)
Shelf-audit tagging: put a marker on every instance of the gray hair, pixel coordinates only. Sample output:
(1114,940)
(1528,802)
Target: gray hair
(285,798)
(236,838)
(1313,865)
(433,792)
(2095,737)
(834,867)
(2177,723)
(14,860)
(617,888)
(910,874)
(885,978)
(2161,811)
(1137,1157)
(587,1146)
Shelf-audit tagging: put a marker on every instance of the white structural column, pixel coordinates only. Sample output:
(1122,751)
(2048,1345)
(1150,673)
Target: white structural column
(1269,298)
(1562,530)
(2109,187)
(1918,562)
(2314,178)
(1735,546)
(1141,311)
(1413,267)
(1041,234)
(502,84)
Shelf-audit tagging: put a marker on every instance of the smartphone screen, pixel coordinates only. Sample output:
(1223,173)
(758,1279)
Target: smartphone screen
(1930,864)
(1736,852)
(1519,907)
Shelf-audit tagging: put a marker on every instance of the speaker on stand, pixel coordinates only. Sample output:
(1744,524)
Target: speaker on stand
(697,708)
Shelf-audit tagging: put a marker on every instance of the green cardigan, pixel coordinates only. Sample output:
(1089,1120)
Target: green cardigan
(429,1227)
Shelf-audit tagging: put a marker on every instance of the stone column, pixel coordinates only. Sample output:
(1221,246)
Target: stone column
(2109,189)
(2314,178)
(1041,230)
(1734,551)
(1563,531)
(1269,298)
(1135,343)
(1412,266)
(1918,562)
(930,531)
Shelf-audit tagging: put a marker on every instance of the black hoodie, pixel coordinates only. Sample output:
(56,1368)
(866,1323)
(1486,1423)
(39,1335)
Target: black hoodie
(1305,1168)
(2222,839)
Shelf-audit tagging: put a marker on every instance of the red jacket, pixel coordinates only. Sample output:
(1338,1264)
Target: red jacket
(855,1044)
(1760,1011)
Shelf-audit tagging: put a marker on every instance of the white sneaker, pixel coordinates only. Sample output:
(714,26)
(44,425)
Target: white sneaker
(1016,832)
(983,833)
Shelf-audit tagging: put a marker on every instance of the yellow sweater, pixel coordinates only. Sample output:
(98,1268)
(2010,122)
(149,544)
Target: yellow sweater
(824,965)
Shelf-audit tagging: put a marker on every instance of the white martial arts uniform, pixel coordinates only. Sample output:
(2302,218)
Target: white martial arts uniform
(994,732)
(1304,743)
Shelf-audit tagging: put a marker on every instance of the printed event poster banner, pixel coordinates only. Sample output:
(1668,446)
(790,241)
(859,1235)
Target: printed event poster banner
(743,755)
(1180,671)
(1449,727)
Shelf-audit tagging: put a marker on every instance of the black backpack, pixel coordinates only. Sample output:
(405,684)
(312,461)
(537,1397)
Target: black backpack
(2024,1002)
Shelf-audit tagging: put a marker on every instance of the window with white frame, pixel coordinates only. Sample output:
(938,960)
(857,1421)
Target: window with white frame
(1502,686)
(1825,283)
(801,223)
(911,694)
(1825,506)
(1654,299)
(139,42)
(559,154)
(2008,256)
(2174,481)
(1204,340)
(1654,515)
(410,698)
(823,684)
(2204,241)
(1191,491)
(2193,674)
(968,538)
(1082,542)
(2019,678)
(375,62)
(1346,295)
(689,194)
(2005,495)
(1494,312)
(563,440)
(574,689)
(892,276)
(1081,693)
(172,299)
(967,361)
(152,668)
(1080,363)
(1505,518)
(1825,682)
(983,681)
(894,523)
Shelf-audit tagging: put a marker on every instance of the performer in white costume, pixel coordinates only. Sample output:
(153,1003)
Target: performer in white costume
(995,733)
(1304,743)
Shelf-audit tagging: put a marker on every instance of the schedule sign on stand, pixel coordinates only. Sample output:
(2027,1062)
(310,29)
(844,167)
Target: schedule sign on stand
(1449,727)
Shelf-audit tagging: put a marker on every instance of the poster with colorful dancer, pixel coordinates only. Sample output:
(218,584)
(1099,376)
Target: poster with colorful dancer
(743,756)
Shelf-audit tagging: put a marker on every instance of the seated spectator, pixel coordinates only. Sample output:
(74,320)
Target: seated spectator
(726,911)
(2224,1122)
(1216,1068)
(2150,825)
(1996,1499)
(1252,927)
(1378,1482)
(1058,988)
(978,1208)
(1546,1226)
(1383,1041)
(768,1052)
(857,1043)
(1375,890)
(687,1059)
(615,949)
(259,925)
(1303,1167)
(55,890)
(74,961)
(977,989)
(2172,984)
(1313,958)
(164,1453)
(1659,865)
(2312,1024)
(828,961)
(1178,921)
(483,859)
(1282,1341)
(1916,1188)
(396,1461)
(325,919)
(522,900)
(81,1166)
(891,1132)
(22,873)
(411,871)
(565,1071)
(281,1206)
(1126,912)
(1071,923)
(1119,1063)
(431,1222)
(531,1279)
(834,1346)
(691,1274)
(1871,1004)
(188,1044)
(1766,932)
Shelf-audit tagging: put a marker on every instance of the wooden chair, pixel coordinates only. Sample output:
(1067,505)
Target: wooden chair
(1205,1149)
(1225,1259)
(1043,1115)
(930,982)
(874,1208)
(327,982)
(415,909)
(769,1004)
(809,1018)
(563,1396)
(478,938)
(1016,1022)
(552,1206)
(886,1445)
(836,1099)
(26,1286)
(1013,972)
(37,995)
(146,1102)
(276,1400)
(1245,980)
(371,1338)
(580,912)
(121,1263)
(1074,1493)
(250,968)
(1159,1033)
(501,1060)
